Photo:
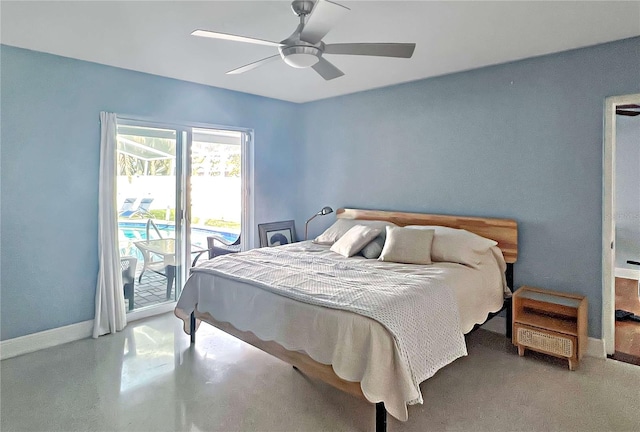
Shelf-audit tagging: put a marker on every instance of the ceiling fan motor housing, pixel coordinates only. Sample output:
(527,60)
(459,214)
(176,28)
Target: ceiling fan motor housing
(302,7)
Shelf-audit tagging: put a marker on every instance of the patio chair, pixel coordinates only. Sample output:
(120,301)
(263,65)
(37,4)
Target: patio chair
(142,210)
(128,266)
(218,245)
(127,205)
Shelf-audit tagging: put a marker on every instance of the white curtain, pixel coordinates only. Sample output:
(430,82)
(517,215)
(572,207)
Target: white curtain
(110,314)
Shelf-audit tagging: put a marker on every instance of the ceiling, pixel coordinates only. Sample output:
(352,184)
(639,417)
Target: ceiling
(154,37)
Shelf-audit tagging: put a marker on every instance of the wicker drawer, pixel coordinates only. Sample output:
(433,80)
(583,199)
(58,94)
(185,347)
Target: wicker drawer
(548,342)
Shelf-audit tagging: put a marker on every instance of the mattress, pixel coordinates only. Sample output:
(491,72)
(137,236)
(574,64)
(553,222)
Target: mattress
(359,348)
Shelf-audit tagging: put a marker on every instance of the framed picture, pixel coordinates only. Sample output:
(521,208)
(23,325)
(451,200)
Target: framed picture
(277,233)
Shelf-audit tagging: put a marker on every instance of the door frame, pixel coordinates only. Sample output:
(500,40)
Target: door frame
(608,219)
(247,176)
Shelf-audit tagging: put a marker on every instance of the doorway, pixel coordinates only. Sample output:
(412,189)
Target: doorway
(177,186)
(613,215)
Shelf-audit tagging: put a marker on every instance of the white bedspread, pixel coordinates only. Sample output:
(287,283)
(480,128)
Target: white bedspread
(414,314)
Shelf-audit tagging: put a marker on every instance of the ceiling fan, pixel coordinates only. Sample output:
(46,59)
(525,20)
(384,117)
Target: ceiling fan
(628,110)
(304,48)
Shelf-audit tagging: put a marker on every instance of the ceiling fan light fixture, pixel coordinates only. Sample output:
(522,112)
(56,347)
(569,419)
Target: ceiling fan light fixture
(300,56)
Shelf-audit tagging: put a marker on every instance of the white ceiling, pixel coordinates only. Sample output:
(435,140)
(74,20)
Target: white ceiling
(154,37)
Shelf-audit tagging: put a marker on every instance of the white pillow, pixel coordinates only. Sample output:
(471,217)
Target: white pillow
(354,240)
(407,246)
(341,226)
(456,245)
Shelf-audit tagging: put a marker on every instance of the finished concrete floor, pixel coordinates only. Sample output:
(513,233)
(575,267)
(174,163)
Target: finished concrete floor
(147,378)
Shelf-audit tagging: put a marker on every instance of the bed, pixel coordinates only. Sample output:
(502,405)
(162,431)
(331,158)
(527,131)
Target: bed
(296,302)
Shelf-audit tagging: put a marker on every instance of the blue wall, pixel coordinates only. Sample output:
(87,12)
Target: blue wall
(49,171)
(521,140)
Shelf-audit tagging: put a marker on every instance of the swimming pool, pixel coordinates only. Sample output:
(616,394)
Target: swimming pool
(130,232)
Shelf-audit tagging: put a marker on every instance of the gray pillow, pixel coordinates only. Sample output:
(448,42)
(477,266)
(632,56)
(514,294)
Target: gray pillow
(374,248)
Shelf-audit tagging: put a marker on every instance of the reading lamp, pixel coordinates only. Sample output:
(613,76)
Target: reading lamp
(324,211)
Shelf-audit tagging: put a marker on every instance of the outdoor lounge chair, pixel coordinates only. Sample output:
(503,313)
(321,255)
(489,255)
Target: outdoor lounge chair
(142,210)
(127,205)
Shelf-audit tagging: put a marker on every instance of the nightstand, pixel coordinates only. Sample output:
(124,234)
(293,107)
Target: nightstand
(550,322)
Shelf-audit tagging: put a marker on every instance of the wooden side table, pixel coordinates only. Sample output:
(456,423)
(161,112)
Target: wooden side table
(550,322)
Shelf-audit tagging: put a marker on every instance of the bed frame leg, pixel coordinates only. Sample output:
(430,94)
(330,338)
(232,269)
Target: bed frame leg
(381,417)
(509,301)
(192,327)
(508,319)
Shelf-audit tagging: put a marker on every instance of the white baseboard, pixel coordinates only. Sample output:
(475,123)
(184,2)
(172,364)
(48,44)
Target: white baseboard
(45,339)
(62,335)
(627,273)
(595,348)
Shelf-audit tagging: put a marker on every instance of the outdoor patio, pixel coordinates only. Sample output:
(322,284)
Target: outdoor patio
(151,291)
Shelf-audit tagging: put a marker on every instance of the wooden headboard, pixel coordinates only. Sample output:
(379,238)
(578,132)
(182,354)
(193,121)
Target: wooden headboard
(504,231)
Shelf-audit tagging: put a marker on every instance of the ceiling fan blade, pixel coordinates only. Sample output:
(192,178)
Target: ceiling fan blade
(327,70)
(323,17)
(253,65)
(402,50)
(627,113)
(234,38)
(628,106)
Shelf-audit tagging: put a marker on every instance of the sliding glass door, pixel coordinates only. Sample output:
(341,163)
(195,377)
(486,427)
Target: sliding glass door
(216,189)
(180,192)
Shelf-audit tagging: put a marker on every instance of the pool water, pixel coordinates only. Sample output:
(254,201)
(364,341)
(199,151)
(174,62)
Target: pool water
(131,232)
